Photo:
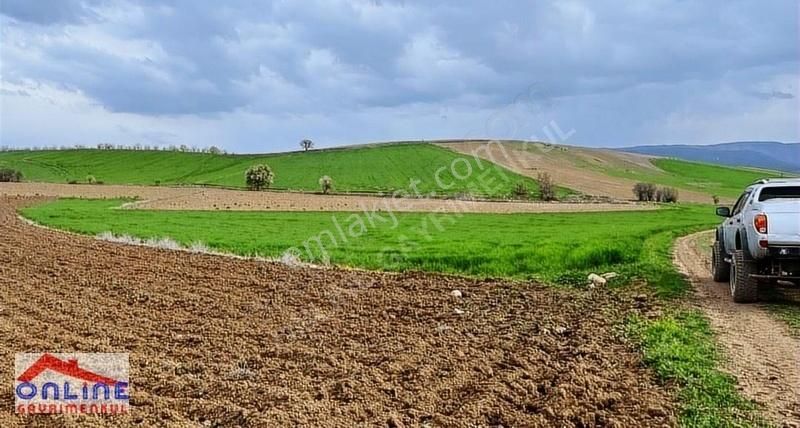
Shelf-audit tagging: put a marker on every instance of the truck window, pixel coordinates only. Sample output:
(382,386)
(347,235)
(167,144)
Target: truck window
(737,207)
(783,192)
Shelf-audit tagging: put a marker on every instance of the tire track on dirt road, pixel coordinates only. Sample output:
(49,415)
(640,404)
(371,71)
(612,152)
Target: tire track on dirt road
(218,341)
(759,350)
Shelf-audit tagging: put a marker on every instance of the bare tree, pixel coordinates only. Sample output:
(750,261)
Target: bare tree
(645,192)
(306,145)
(546,186)
(521,191)
(669,194)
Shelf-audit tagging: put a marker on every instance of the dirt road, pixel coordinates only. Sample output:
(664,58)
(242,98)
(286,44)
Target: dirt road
(759,350)
(216,341)
(195,198)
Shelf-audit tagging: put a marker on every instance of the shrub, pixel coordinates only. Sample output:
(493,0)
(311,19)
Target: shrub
(645,192)
(669,194)
(547,188)
(259,177)
(90,179)
(8,175)
(326,183)
(521,191)
(666,194)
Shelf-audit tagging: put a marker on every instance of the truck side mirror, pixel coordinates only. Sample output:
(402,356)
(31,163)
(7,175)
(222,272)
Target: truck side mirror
(723,211)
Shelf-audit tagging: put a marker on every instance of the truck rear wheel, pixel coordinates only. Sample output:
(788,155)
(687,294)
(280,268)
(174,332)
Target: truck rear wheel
(720,270)
(744,289)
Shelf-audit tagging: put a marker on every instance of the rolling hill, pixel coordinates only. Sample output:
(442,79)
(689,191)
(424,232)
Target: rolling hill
(375,168)
(391,166)
(613,173)
(758,154)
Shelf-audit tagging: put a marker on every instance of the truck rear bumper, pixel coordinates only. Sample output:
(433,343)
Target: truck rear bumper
(780,277)
(781,251)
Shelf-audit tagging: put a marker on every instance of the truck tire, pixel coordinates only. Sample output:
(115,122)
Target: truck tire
(744,289)
(720,270)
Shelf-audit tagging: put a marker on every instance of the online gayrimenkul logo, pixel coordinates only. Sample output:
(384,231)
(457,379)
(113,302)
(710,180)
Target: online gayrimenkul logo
(79,383)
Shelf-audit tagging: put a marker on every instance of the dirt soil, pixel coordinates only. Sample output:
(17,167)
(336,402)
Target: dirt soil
(193,198)
(759,349)
(565,167)
(215,341)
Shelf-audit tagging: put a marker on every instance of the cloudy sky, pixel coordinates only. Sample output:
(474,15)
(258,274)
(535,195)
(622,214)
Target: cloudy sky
(256,76)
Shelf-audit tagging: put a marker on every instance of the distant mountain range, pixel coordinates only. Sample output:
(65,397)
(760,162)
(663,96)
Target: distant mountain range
(759,154)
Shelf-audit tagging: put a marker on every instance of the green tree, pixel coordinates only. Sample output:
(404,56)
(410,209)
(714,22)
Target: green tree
(326,183)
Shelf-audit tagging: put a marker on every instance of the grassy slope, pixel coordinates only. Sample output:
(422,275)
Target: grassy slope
(712,179)
(724,181)
(378,168)
(551,247)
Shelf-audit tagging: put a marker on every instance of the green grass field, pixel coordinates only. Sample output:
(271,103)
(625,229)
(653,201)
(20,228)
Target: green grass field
(383,168)
(556,248)
(723,181)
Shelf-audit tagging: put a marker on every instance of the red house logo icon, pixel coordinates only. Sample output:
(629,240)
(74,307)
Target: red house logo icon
(71,383)
(66,368)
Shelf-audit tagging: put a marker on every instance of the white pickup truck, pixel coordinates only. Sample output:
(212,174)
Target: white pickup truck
(758,244)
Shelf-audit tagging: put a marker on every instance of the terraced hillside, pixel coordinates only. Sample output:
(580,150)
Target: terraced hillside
(613,173)
(379,168)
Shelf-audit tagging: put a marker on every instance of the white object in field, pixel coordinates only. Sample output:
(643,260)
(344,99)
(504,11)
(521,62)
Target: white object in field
(456,293)
(610,275)
(596,280)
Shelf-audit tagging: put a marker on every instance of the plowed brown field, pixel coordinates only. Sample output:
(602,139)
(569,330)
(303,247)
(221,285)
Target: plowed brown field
(196,198)
(215,341)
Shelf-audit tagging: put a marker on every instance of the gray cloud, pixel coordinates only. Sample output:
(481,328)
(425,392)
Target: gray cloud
(46,13)
(385,60)
(774,94)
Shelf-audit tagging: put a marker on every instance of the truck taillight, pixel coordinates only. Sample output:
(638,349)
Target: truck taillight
(760,222)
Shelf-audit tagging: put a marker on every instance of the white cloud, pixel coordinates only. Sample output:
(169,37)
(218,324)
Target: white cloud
(427,64)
